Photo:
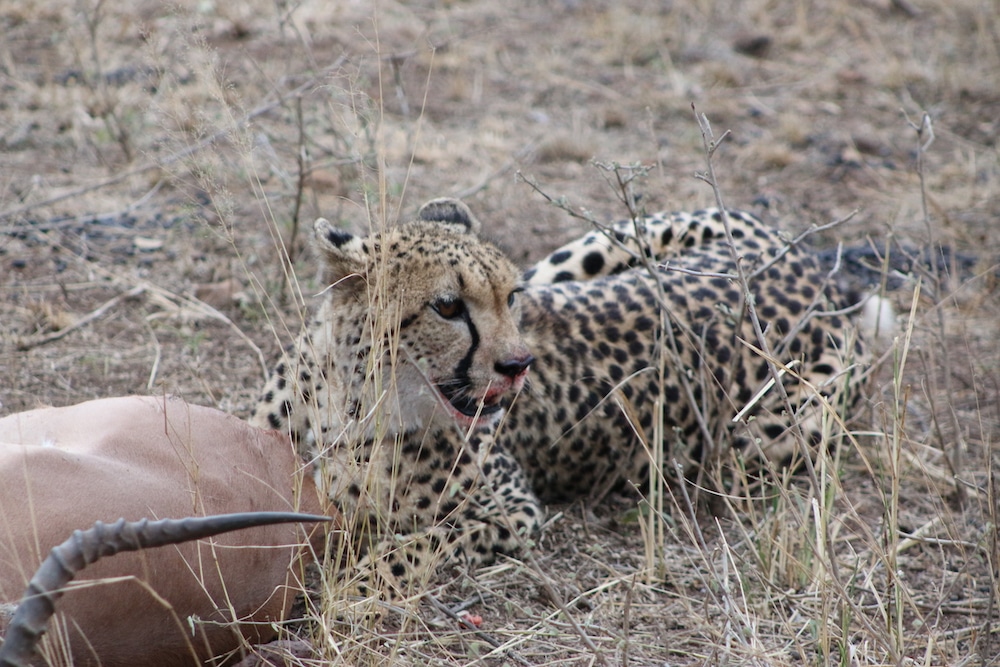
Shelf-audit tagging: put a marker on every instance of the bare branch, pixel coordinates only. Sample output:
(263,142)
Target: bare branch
(36,341)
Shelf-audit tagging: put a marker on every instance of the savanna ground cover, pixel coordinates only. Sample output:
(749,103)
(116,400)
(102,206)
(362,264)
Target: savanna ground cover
(161,164)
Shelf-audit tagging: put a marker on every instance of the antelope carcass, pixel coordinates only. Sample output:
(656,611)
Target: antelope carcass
(62,469)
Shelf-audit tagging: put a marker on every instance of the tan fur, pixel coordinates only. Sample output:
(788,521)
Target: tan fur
(62,469)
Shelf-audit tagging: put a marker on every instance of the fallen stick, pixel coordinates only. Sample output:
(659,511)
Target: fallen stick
(36,341)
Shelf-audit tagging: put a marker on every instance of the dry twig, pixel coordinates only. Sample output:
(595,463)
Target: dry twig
(35,341)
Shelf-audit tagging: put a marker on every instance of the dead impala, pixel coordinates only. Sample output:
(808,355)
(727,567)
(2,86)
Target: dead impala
(62,469)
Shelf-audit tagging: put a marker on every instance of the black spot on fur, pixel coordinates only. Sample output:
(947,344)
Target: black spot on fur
(593,263)
(559,257)
(643,323)
(338,237)
(774,430)
(563,276)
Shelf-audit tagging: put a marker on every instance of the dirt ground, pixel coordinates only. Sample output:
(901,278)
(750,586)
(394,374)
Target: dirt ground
(160,167)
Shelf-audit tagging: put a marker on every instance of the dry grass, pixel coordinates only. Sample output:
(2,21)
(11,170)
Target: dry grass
(163,153)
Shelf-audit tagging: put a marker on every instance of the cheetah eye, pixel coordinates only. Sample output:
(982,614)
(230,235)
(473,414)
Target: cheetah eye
(449,307)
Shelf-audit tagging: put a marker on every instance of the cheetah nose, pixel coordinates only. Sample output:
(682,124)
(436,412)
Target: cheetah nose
(513,367)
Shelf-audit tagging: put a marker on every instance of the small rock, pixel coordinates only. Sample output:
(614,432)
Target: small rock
(281,653)
(755,46)
(147,244)
(218,295)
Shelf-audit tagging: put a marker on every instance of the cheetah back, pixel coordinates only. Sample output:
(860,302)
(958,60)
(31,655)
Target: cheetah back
(601,334)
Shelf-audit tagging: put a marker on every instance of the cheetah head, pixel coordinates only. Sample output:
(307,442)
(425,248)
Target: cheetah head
(421,321)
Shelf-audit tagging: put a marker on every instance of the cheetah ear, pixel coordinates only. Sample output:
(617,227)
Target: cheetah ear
(344,254)
(451,213)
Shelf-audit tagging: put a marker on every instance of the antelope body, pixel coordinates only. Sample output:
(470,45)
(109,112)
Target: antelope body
(63,469)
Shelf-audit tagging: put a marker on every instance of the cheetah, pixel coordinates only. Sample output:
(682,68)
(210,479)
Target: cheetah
(452,398)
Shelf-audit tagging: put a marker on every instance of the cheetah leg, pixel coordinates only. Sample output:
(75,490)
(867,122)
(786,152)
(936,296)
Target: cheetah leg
(500,517)
(777,438)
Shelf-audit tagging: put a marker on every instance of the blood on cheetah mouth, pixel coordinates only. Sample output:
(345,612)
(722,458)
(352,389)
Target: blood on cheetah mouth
(469,406)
